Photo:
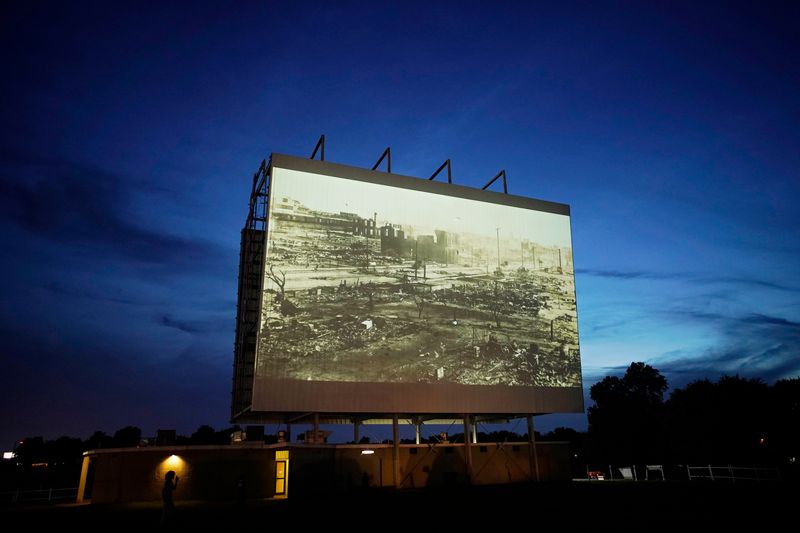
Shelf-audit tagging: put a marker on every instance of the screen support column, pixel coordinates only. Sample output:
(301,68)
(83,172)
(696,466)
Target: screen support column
(396,451)
(533,456)
(467,447)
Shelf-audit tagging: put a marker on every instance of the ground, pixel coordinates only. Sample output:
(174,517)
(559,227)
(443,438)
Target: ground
(566,506)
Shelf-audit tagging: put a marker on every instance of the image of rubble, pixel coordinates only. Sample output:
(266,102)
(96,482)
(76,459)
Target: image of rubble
(361,297)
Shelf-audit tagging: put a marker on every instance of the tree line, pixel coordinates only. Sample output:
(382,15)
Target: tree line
(41,463)
(733,420)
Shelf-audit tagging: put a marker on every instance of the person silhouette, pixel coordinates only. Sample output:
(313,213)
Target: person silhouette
(240,491)
(170,484)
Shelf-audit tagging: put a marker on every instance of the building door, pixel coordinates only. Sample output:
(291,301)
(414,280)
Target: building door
(281,473)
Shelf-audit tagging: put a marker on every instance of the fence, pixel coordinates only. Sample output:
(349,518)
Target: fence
(39,496)
(732,473)
(627,472)
(658,472)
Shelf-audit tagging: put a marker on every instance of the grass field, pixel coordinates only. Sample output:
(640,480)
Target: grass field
(571,506)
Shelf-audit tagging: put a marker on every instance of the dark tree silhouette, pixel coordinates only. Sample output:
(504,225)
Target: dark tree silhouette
(783,439)
(721,422)
(577,447)
(98,440)
(127,437)
(32,450)
(499,436)
(205,434)
(625,422)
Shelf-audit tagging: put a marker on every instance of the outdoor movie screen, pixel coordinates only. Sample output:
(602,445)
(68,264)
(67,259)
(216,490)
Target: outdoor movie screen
(413,295)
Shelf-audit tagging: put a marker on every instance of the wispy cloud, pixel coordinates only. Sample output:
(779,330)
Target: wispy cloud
(628,274)
(196,326)
(753,344)
(74,204)
(692,277)
(752,282)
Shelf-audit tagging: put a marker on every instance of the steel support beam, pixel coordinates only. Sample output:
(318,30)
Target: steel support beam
(533,455)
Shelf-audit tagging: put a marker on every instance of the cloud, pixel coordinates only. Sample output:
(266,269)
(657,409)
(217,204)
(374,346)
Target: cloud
(755,318)
(197,326)
(597,327)
(749,319)
(753,282)
(691,277)
(628,274)
(74,204)
(754,344)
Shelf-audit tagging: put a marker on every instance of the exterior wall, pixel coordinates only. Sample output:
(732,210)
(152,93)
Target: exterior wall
(212,472)
(444,464)
(205,472)
(82,494)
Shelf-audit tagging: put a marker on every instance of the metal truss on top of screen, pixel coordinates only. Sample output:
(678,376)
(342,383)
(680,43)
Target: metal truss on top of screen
(502,174)
(319,147)
(387,154)
(449,172)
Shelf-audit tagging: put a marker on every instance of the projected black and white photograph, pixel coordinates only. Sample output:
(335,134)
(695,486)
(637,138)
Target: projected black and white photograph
(372,283)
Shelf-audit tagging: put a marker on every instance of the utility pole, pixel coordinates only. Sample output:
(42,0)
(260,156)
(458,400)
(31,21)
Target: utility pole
(498,248)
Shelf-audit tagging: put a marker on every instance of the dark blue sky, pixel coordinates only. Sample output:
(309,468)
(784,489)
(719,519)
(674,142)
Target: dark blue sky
(130,137)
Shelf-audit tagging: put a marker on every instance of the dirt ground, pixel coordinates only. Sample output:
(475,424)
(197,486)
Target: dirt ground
(568,506)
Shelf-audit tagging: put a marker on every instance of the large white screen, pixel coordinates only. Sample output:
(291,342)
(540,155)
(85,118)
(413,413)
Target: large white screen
(366,282)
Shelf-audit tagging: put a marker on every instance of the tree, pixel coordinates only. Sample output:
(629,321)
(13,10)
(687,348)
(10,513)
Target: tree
(784,439)
(32,450)
(278,279)
(577,447)
(625,422)
(721,422)
(127,437)
(205,434)
(98,440)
